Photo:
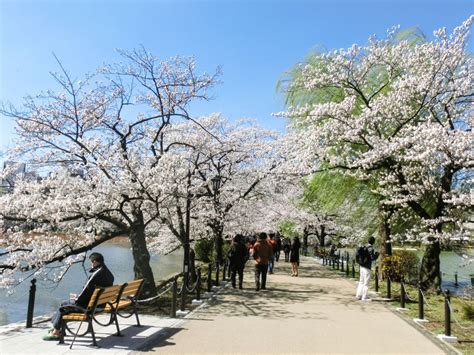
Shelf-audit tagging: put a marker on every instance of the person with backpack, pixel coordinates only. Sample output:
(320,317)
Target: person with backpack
(238,256)
(364,256)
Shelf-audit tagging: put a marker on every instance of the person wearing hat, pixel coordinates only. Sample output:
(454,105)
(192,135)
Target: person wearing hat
(262,252)
(100,277)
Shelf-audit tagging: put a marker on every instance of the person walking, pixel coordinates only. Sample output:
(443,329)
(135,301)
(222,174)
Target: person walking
(278,248)
(271,261)
(100,277)
(364,257)
(262,252)
(238,256)
(295,256)
(286,249)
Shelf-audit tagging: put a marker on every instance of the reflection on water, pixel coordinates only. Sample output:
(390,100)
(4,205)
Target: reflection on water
(118,259)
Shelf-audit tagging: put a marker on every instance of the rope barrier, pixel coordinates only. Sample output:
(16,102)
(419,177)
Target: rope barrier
(180,292)
(154,297)
(407,296)
(192,289)
(425,300)
(392,283)
(455,319)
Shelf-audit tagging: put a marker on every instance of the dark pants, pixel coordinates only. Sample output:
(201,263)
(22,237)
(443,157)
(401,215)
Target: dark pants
(271,263)
(287,256)
(63,309)
(260,270)
(234,270)
(277,255)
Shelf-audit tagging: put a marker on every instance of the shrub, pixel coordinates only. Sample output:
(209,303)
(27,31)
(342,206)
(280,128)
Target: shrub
(402,263)
(467,310)
(204,250)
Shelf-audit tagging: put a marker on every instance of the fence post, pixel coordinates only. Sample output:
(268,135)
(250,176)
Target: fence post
(353,269)
(347,265)
(209,277)
(184,290)
(402,293)
(376,279)
(389,288)
(31,304)
(421,310)
(342,264)
(217,273)
(174,298)
(224,271)
(456,279)
(198,284)
(447,314)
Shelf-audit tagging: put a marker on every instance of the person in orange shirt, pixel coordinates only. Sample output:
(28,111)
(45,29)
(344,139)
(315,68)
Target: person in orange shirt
(262,252)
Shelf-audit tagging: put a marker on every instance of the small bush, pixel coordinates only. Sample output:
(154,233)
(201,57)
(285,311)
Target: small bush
(204,250)
(403,263)
(467,309)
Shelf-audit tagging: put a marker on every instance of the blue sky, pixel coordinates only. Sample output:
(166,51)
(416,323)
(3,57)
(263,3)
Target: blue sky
(254,41)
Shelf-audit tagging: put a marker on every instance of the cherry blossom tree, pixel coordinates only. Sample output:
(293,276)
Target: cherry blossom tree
(102,142)
(241,155)
(399,115)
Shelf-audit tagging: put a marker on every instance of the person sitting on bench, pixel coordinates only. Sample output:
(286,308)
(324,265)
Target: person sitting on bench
(100,277)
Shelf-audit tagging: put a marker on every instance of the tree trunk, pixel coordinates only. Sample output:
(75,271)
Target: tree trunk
(384,230)
(192,265)
(430,272)
(141,257)
(218,229)
(305,241)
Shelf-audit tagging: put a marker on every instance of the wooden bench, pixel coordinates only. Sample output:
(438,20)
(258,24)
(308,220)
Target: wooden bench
(102,299)
(129,298)
(112,300)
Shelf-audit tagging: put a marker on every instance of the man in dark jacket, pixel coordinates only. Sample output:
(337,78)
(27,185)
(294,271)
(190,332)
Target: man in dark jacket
(365,264)
(238,256)
(100,277)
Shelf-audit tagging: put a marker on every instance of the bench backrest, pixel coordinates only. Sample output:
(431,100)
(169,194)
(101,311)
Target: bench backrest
(104,295)
(132,288)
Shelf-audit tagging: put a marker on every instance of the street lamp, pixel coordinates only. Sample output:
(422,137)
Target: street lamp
(216,184)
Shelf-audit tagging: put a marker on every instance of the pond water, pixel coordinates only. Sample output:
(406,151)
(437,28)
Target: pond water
(451,264)
(118,258)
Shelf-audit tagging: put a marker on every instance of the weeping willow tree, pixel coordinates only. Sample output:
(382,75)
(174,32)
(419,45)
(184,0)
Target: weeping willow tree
(363,108)
(334,192)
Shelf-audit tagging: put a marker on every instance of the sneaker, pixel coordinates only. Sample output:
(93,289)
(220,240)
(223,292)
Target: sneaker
(357,298)
(366,300)
(50,337)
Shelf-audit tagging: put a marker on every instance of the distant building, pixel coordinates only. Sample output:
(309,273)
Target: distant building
(15,171)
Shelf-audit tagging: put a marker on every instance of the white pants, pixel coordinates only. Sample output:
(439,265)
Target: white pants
(364,281)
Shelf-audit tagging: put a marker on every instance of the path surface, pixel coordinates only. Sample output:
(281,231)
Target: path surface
(313,313)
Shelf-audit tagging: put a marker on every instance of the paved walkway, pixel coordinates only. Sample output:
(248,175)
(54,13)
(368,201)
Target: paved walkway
(313,313)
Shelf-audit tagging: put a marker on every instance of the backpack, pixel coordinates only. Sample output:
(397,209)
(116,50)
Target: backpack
(362,255)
